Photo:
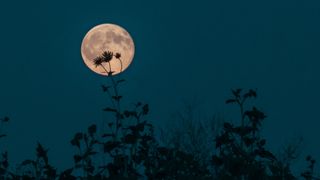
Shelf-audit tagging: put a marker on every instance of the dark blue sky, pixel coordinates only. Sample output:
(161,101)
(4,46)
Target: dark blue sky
(184,50)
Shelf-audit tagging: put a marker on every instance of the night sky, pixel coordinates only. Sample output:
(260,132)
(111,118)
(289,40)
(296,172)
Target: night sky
(185,50)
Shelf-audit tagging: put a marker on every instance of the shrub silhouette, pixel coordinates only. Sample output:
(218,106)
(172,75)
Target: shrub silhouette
(38,168)
(241,152)
(130,149)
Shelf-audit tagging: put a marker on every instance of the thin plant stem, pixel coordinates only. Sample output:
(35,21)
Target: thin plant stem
(110,96)
(110,67)
(120,64)
(115,87)
(112,100)
(117,106)
(104,68)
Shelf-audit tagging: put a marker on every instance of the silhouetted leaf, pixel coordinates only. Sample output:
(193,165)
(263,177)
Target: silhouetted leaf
(120,81)
(28,162)
(308,158)
(230,101)
(105,88)
(110,109)
(266,154)
(88,153)
(76,140)
(138,104)
(117,98)
(130,113)
(251,93)
(2,135)
(236,92)
(255,116)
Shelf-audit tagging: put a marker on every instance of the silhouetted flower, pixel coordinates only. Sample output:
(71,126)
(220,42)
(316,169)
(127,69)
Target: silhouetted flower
(107,56)
(118,56)
(98,61)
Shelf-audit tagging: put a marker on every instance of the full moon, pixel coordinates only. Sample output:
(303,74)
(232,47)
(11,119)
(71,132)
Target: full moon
(107,38)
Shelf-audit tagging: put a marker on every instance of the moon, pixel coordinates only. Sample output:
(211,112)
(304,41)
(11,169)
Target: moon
(108,38)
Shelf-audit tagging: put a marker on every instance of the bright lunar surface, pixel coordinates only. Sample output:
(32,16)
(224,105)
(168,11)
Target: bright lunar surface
(107,37)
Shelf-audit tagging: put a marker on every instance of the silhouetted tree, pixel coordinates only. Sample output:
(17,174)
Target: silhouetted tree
(38,168)
(189,132)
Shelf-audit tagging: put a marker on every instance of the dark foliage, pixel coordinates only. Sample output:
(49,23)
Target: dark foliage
(241,151)
(128,149)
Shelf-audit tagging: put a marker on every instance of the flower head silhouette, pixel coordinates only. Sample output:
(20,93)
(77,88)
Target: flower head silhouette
(118,56)
(98,61)
(107,56)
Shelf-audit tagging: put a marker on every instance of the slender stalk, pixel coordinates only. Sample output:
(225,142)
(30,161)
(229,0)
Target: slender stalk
(109,66)
(112,101)
(114,106)
(120,64)
(104,68)
(110,96)
(117,106)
